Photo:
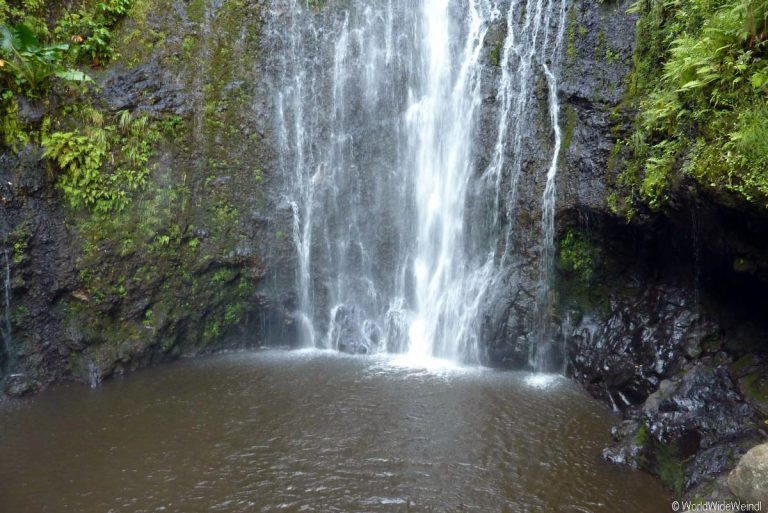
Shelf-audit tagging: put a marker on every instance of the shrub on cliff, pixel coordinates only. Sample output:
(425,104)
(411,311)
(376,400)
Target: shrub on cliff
(700,81)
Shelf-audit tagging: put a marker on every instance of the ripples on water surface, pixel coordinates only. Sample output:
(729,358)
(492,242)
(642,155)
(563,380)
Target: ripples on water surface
(313,431)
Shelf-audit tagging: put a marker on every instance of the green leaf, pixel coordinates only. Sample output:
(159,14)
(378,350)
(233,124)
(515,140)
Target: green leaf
(6,38)
(73,75)
(24,38)
(693,84)
(759,79)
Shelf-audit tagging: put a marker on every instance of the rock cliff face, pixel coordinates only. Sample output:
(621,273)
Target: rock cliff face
(596,59)
(188,266)
(663,317)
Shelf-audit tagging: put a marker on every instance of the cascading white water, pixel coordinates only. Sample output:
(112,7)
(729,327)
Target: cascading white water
(378,108)
(441,124)
(341,94)
(293,142)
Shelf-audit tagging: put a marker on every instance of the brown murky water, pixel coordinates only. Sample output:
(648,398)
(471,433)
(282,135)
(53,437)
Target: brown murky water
(311,431)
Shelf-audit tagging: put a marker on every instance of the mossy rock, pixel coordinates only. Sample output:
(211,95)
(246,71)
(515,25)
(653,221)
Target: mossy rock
(754,387)
(662,459)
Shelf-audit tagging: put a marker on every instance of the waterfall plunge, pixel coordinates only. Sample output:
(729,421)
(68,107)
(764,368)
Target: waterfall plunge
(378,106)
(441,127)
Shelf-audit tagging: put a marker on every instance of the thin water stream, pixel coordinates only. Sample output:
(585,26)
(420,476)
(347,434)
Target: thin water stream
(315,431)
(6,331)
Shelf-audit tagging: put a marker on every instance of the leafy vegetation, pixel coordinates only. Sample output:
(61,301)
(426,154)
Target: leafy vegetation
(92,30)
(30,12)
(102,163)
(577,255)
(700,81)
(30,64)
(102,158)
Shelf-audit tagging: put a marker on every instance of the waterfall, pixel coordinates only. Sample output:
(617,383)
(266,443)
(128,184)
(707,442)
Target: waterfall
(5,326)
(400,235)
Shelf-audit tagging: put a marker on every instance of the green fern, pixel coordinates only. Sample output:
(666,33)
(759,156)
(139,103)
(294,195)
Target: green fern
(700,80)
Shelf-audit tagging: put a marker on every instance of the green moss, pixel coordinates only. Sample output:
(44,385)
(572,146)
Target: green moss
(669,467)
(642,436)
(612,55)
(212,331)
(316,4)
(572,31)
(601,45)
(496,53)
(234,313)
(577,255)
(660,459)
(224,275)
(497,50)
(755,387)
(14,133)
(20,251)
(138,37)
(571,118)
(743,364)
(193,291)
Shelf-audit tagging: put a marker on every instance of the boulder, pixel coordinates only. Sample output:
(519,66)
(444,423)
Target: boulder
(749,480)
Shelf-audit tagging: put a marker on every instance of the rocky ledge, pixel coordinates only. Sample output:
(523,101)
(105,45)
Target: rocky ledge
(662,318)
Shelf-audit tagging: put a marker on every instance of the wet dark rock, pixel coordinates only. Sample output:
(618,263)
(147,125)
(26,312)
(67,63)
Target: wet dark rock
(592,86)
(751,374)
(715,490)
(701,406)
(347,331)
(18,385)
(145,88)
(629,449)
(31,111)
(201,232)
(220,181)
(690,430)
(624,355)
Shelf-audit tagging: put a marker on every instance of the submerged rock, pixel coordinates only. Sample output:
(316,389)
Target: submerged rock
(18,385)
(347,331)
